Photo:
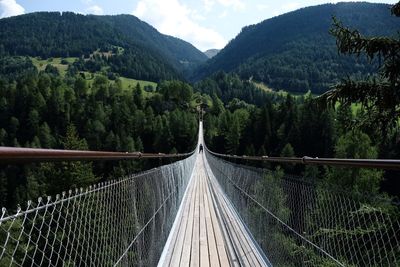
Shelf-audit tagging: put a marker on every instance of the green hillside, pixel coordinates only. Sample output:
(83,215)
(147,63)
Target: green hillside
(63,64)
(295,51)
(135,49)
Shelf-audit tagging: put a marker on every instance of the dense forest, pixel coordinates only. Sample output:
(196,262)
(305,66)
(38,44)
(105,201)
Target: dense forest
(295,51)
(135,45)
(45,110)
(114,83)
(283,129)
(229,86)
(86,105)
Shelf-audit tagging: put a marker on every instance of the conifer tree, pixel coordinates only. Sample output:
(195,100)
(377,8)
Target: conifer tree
(379,95)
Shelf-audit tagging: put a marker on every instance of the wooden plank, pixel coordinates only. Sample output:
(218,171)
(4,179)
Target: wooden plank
(236,242)
(252,254)
(195,252)
(204,256)
(240,238)
(247,250)
(211,236)
(186,252)
(180,226)
(239,241)
(226,251)
(210,232)
(178,245)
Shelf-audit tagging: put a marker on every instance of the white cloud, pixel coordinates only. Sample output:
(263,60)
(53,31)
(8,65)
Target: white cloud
(10,8)
(235,4)
(95,10)
(262,7)
(173,18)
(223,14)
(196,16)
(87,2)
(208,5)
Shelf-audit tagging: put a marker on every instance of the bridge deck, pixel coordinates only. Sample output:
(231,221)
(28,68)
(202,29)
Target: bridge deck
(208,231)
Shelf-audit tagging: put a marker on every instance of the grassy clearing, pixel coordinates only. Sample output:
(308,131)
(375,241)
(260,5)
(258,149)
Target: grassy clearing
(294,94)
(131,83)
(41,64)
(127,83)
(262,86)
(120,51)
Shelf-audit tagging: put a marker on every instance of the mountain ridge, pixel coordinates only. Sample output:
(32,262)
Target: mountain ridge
(56,34)
(289,51)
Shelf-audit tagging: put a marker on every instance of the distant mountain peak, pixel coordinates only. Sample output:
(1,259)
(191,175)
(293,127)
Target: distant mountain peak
(210,53)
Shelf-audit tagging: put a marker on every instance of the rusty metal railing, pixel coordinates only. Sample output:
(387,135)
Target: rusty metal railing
(387,164)
(14,154)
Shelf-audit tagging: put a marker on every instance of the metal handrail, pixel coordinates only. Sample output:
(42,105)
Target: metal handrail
(16,154)
(387,164)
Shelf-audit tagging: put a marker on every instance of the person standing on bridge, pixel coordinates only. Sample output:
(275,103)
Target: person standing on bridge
(200,148)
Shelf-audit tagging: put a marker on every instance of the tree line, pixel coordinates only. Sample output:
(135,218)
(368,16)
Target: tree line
(45,110)
(295,126)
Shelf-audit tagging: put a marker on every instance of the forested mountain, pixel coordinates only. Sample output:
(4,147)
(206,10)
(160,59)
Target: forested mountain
(295,51)
(138,50)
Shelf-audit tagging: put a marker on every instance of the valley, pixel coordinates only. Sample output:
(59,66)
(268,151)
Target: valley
(293,108)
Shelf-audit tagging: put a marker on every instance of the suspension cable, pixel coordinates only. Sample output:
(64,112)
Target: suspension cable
(387,164)
(16,154)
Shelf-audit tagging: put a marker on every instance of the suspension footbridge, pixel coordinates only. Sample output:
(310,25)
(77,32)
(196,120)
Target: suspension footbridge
(207,230)
(201,211)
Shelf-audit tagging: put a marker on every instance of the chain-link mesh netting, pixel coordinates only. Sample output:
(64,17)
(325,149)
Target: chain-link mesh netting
(297,223)
(124,222)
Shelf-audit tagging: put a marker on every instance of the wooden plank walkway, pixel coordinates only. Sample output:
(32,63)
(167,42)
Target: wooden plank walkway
(208,231)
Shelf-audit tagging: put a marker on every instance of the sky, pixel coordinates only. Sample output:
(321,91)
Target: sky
(204,23)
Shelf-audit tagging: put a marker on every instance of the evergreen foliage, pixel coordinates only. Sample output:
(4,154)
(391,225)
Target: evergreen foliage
(131,47)
(45,110)
(296,126)
(380,96)
(229,86)
(295,52)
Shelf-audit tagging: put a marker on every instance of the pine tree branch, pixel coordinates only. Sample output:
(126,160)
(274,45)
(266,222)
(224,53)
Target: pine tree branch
(396,10)
(353,42)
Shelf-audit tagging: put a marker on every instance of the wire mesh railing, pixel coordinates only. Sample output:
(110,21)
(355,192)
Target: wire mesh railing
(123,222)
(299,223)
